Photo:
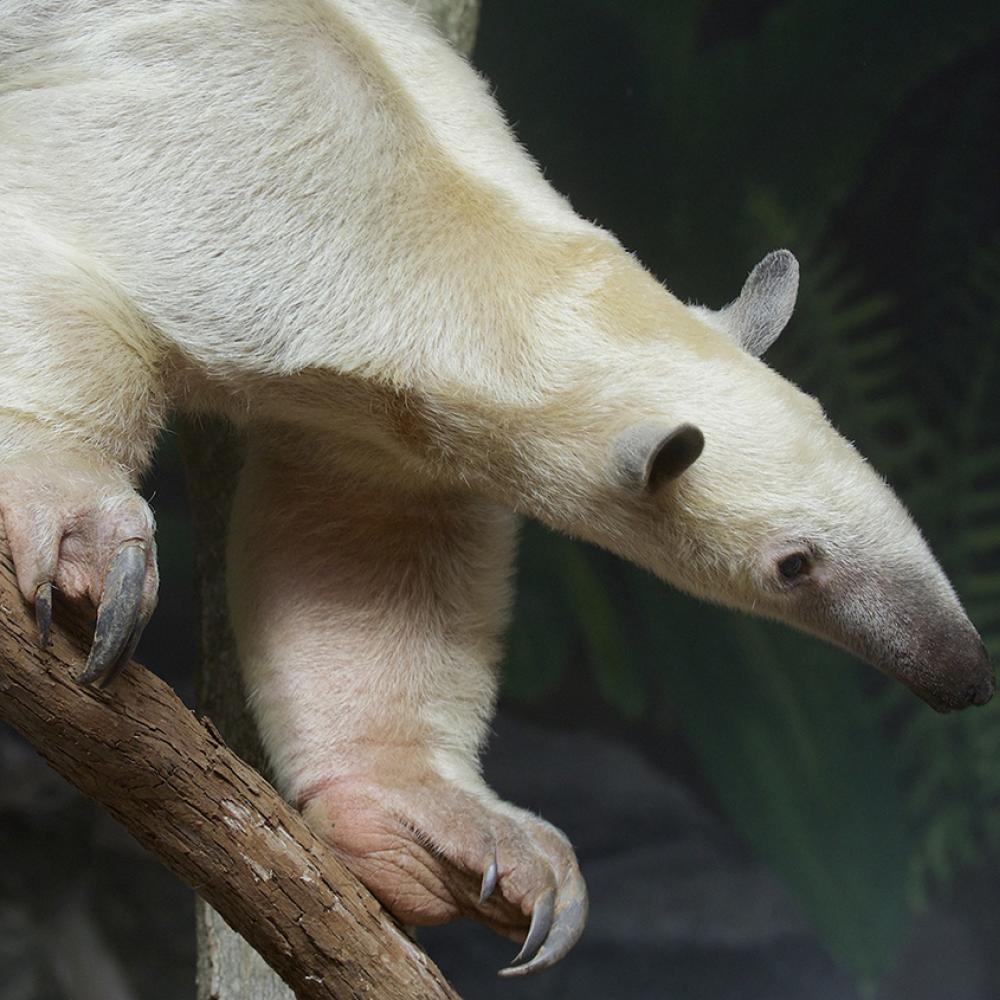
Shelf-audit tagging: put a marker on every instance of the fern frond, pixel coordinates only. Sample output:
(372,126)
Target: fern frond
(954,765)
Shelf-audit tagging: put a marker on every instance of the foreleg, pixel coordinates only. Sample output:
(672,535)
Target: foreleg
(80,404)
(368,620)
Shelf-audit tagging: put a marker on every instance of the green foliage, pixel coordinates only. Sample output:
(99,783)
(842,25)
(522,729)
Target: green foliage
(564,613)
(952,765)
(542,640)
(860,796)
(795,754)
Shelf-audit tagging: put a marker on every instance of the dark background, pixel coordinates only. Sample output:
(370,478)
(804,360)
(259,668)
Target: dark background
(756,815)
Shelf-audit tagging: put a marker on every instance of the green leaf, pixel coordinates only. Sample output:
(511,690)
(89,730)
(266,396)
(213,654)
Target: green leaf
(538,650)
(794,750)
(612,658)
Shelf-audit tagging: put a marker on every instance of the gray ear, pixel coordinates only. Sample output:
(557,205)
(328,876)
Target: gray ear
(647,456)
(765,305)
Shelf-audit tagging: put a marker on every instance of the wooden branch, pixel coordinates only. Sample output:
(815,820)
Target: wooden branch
(208,816)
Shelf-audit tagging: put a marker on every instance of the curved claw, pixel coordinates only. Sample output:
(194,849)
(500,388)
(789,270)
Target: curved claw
(43,614)
(570,916)
(120,620)
(541,924)
(127,653)
(489,880)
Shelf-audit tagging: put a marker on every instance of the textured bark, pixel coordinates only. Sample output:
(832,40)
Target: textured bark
(207,815)
(228,968)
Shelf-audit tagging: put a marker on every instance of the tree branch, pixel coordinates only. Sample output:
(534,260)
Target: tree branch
(208,816)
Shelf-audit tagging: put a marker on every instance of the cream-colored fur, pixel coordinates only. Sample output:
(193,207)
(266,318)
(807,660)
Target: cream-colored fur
(310,216)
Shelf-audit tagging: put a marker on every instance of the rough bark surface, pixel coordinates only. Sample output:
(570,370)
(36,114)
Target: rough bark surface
(206,814)
(228,968)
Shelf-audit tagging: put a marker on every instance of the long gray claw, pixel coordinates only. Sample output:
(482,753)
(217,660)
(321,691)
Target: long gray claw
(489,880)
(566,922)
(541,924)
(127,653)
(120,620)
(43,614)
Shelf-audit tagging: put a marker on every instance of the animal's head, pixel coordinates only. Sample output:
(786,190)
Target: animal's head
(758,503)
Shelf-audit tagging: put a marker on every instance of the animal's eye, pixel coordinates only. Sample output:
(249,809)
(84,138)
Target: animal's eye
(794,567)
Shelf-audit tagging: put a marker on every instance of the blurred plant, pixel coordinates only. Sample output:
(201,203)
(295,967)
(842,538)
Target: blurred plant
(862,803)
(952,765)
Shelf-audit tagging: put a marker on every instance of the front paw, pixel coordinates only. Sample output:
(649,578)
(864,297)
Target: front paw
(431,851)
(84,532)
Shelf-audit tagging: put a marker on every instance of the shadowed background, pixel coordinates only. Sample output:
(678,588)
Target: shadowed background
(757,815)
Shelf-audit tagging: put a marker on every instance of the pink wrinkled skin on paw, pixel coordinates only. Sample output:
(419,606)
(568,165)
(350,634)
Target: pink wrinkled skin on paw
(425,850)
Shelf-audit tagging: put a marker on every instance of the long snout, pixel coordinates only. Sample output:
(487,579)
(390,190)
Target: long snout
(915,630)
(925,640)
(950,670)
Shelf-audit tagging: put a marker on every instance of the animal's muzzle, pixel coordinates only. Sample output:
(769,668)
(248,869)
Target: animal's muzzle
(954,679)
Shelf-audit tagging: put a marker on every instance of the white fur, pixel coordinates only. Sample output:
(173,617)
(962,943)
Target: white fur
(309,215)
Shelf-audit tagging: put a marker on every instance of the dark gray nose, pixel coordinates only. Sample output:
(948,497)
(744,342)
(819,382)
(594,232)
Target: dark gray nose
(981,684)
(981,695)
(984,689)
(953,673)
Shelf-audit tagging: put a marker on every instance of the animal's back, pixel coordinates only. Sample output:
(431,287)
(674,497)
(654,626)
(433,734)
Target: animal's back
(270,166)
